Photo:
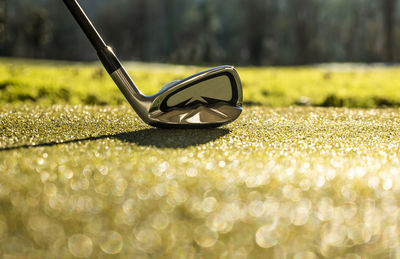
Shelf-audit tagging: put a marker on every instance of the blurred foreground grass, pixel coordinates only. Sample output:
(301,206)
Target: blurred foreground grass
(90,181)
(47,82)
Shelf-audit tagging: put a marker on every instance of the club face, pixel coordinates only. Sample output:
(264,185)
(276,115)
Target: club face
(209,99)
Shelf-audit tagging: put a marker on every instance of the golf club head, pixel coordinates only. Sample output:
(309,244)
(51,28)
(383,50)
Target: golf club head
(209,99)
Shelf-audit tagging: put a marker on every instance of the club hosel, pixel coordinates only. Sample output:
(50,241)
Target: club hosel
(139,102)
(136,99)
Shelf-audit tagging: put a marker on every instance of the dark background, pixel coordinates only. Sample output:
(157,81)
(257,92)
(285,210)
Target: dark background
(244,32)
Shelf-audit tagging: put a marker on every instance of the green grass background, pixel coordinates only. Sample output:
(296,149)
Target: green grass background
(44,82)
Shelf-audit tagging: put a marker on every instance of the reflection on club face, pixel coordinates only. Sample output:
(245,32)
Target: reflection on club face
(209,99)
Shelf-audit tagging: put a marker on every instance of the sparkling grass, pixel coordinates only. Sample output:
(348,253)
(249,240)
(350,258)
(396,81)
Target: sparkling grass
(90,181)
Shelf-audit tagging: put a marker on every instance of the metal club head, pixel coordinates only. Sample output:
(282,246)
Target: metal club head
(208,99)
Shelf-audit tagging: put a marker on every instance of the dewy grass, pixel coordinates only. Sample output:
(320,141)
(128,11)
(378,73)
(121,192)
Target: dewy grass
(88,181)
(47,82)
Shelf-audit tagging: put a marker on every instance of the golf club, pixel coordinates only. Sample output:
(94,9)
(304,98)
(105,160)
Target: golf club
(208,99)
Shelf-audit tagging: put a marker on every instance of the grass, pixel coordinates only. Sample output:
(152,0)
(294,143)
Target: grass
(46,82)
(93,181)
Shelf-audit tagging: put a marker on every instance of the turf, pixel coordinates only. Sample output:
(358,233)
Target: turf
(278,183)
(45,82)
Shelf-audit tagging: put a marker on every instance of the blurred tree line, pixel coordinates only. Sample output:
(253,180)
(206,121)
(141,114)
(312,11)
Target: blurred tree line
(246,32)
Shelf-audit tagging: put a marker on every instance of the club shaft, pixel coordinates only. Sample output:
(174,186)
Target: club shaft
(106,55)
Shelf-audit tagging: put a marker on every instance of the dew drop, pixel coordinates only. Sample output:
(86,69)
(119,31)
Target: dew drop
(205,237)
(111,242)
(80,245)
(265,238)
(148,240)
(160,221)
(209,204)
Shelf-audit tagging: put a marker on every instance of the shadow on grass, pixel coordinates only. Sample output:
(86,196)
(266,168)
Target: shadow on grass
(160,138)
(173,138)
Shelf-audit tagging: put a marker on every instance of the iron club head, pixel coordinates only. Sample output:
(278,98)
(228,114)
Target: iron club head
(208,99)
